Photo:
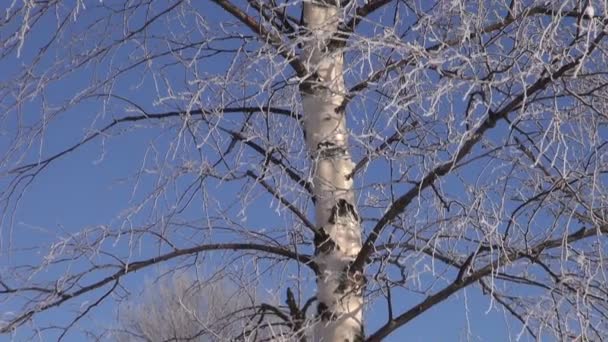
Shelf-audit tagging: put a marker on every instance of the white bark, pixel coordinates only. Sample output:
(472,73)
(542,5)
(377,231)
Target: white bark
(339,238)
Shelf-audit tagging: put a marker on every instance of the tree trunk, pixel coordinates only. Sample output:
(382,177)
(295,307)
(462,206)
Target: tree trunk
(338,241)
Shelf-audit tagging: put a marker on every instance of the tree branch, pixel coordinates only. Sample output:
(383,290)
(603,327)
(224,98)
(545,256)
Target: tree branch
(500,25)
(460,283)
(290,172)
(145,116)
(138,265)
(297,66)
(474,137)
(283,201)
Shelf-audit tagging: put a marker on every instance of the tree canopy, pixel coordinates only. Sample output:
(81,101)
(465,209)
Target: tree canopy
(144,138)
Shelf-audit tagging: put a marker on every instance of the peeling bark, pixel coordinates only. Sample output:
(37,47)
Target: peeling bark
(338,240)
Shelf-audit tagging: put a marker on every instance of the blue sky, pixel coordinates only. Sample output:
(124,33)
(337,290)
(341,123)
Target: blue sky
(94,185)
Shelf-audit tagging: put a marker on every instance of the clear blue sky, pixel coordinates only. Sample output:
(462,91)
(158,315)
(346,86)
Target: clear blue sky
(94,184)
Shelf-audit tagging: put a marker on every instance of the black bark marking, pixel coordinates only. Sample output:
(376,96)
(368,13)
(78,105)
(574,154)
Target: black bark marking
(333,152)
(310,84)
(321,308)
(323,145)
(351,281)
(344,284)
(341,109)
(325,314)
(334,213)
(342,209)
(360,335)
(328,150)
(324,3)
(324,243)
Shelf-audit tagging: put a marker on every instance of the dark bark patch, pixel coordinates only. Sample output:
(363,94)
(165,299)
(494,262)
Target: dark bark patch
(351,281)
(325,145)
(342,209)
(341,109)
(327,150)
(310,84)
(344,284)
(324,313)
(321,308)
(330,153)
(360,335)
(324,3)
(324,243)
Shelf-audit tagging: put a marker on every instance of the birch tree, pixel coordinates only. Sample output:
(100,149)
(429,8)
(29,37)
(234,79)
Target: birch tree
(343,166)
(338,233)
